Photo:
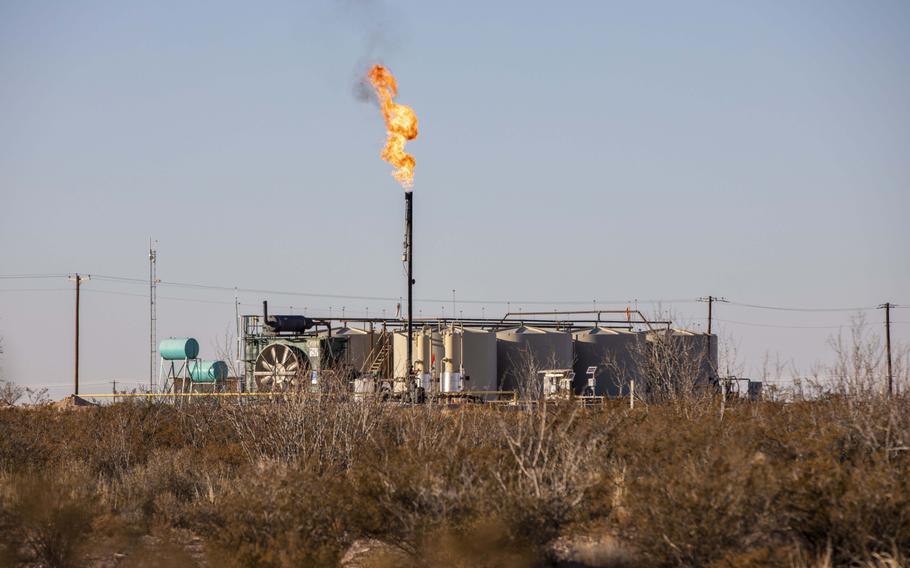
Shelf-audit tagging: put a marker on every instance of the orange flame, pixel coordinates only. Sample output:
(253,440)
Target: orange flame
(400,124)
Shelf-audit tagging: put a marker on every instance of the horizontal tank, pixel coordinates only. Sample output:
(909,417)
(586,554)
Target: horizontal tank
(615,355)
(178,348)
(469,362)
(208,371)
(288,324)
(523,351)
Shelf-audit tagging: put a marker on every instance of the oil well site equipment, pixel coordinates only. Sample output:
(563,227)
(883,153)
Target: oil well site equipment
(572,354)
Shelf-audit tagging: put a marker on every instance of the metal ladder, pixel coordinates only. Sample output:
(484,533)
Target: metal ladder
(378,357)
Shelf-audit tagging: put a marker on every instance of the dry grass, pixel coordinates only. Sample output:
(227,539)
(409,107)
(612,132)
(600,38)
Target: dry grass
(822,483)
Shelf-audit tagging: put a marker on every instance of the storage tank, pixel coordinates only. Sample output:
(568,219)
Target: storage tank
(434,360)
(357,346)
(400,359)
(524,350)
(427,356)
(208,371)
(469,362)
(178,348)
(614,352)
(695,353)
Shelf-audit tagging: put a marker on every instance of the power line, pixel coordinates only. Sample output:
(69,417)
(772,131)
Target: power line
(93,291)
(199,286)
(30,276)
(783,326)
(794,309)
(251,304)
(34,289)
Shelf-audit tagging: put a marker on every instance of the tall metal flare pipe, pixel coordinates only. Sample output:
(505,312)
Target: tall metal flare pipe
(409,245)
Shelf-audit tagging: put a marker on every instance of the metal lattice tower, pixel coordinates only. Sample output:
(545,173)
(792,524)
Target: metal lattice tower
(153,318)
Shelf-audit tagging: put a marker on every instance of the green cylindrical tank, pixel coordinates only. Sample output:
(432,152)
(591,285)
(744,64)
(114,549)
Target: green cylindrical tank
(208,371)
(176,348)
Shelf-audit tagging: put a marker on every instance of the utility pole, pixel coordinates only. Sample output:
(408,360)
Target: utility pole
(77,278)
(153,316)
(887,307)
(710,300)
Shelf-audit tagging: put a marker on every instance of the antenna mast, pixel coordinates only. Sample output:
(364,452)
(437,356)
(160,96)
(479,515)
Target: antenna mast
(153,317)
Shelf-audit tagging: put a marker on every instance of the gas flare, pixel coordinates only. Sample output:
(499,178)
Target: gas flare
(400,124)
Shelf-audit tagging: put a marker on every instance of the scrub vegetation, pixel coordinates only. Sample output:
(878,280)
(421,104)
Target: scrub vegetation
(683,479)
(814,483)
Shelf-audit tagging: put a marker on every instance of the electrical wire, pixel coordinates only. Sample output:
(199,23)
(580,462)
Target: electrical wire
(198,286)
(30,276)
(794,309)
(191,285)
(36,289)
(782,326)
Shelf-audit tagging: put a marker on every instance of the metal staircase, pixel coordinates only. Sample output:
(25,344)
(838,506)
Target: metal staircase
(377,361)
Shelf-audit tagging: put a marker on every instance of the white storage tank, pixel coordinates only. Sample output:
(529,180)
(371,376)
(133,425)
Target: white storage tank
(427,356)
(523,351)
(615,353)
(400,359)
(433,362)
(469,363)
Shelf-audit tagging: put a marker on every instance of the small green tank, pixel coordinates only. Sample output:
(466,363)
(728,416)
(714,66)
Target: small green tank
(208,371)
(178,348)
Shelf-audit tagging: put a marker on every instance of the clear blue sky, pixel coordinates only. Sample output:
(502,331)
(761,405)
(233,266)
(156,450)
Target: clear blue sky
(567,152)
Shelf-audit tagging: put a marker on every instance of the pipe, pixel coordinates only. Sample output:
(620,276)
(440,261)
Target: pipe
(409,247)
(598,312)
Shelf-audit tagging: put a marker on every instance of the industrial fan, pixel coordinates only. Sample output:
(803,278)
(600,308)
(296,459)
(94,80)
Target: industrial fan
(280,367)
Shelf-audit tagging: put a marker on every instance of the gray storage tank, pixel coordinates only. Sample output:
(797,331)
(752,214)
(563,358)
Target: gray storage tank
(524,350)
(470,353)
(615,353)
(695,353)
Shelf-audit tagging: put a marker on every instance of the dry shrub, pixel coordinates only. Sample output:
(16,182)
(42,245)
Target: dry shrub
(285,517)
(849,486)
(169,487)
(45,519)
(696,492)
(769,480)
(305,428)
(296,481)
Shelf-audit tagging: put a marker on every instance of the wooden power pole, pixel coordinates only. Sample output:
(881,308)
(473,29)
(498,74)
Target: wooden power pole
(887,307)
(77,278)
(710,300)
